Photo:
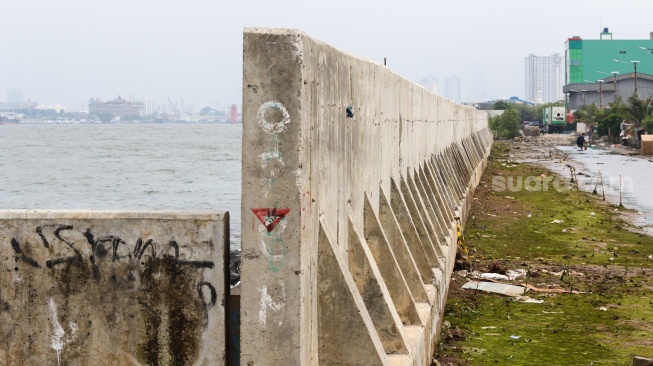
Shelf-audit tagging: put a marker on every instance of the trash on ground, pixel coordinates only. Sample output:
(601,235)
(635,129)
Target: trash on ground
(552,290)
(556,221)
(515,337)
(489,327)
(473,350)
(499,288)
(515,274)
(493,276)
(528,300)
(602,308)
(563,272)
(552,312)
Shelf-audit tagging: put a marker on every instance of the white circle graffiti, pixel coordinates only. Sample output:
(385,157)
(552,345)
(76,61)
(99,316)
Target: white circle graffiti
(277,127)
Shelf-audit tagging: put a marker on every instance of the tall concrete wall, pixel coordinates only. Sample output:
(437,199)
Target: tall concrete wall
(355,181)
(112,288)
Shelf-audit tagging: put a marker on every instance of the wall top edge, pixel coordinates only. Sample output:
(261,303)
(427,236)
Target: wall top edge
(92,214)
(300,37)
(275,31)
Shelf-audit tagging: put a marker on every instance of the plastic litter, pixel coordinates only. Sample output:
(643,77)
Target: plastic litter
(556,221)
(515,337)
(493,276)
(528,300)
(499,288)
(515,274)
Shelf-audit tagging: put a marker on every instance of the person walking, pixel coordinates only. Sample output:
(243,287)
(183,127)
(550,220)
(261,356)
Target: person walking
(580,141)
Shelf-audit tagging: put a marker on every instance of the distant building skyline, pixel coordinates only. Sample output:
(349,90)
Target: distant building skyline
(452,88)
(544,77)
(430,83)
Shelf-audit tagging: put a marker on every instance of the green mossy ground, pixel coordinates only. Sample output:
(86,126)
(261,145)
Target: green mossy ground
(608,261)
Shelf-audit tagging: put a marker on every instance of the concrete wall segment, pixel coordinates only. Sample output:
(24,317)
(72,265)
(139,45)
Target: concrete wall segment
(113,288)
(306,162)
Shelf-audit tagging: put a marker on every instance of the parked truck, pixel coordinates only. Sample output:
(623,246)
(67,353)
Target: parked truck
(553,119)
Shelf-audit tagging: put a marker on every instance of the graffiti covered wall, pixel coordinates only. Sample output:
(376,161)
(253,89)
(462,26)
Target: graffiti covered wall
(112,288)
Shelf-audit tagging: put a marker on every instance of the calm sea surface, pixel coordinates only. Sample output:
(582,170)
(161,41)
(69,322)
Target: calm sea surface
(122,166)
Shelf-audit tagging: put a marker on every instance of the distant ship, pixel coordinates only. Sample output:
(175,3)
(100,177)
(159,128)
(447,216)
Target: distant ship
(9,119)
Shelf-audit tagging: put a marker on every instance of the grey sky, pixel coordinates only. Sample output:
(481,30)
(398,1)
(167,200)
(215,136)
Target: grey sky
(67,51)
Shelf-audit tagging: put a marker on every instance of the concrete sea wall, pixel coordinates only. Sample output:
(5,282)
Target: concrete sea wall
(112,288)
(355,184)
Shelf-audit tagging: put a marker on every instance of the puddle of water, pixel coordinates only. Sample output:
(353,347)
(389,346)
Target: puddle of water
(636,178)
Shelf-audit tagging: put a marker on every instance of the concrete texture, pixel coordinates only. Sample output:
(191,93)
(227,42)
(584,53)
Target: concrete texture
(112,288)
(355,182)
(641,361)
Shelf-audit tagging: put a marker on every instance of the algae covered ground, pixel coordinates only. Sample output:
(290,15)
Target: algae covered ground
(566,240)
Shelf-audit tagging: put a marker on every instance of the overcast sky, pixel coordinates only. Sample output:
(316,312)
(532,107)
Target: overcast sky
(67,51)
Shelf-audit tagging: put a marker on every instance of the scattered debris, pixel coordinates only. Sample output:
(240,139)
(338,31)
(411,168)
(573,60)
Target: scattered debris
(499,288)
(528,300)
(556,221)
(552,290)
(602,308)
(515,274)
(473,350)
(566,272)
(493,276)
(515,337)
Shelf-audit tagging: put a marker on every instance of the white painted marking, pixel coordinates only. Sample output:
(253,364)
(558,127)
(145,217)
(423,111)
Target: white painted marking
(266,302)
(273,127)
(272,156)
(267,237)
(59,339)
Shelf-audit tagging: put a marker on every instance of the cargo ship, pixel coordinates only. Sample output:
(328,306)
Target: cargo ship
(9,118)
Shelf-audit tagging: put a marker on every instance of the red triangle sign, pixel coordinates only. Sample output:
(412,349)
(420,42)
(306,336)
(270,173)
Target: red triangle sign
(270,217)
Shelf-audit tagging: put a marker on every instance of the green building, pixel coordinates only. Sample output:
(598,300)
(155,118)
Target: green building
(588,60)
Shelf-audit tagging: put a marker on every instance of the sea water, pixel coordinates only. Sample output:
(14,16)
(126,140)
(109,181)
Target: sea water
(188,167)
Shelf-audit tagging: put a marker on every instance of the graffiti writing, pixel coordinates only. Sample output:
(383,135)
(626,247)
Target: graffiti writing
(272,166)
(272,127)
(155,290)
(90,251)
(268,303)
